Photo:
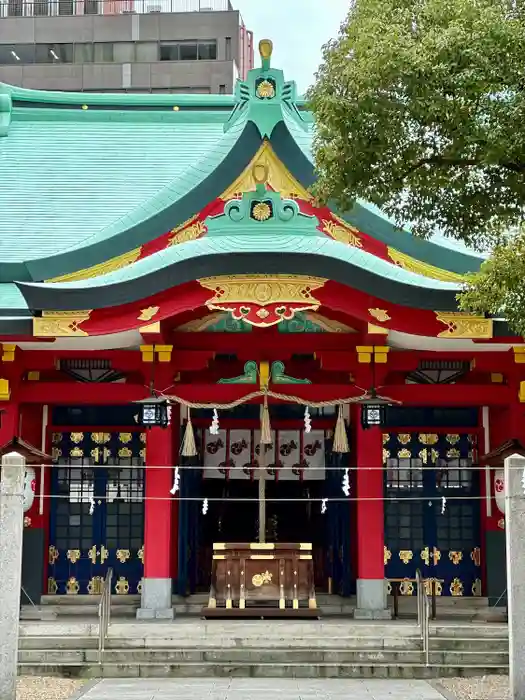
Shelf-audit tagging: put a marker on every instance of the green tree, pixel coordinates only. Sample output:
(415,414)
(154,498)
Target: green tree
(420,109)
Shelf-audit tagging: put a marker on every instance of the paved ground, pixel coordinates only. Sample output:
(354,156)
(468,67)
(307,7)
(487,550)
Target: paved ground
(260,689)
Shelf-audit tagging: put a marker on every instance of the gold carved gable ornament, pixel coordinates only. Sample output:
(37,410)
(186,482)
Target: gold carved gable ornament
(263,300)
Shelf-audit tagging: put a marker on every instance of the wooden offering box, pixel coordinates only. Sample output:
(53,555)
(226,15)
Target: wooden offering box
(262,580)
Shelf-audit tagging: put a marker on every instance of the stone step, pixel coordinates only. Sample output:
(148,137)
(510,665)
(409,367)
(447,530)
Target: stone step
(260,670)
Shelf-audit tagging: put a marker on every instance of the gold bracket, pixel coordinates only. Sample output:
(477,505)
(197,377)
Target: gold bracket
(8,352)
(519,354)
(5,391)
(379,353)
(163,353)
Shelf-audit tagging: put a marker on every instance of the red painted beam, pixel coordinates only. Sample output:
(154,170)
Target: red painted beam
(44,360)
(274,344)
(72,393)
(450,394)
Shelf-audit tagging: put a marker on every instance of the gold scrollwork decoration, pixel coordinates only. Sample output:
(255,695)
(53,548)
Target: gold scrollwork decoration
(425,555)
(386,454)
(453,453)
(422,268)
(261,579)
(456,588)
(56,438)
(140,554)
(73,555)
(94,587)
(453,438)
(187,231)
(72,586)
(406,555)
(104,554)
(387,555)
(340,231)
(76,437)
(76,452)
(52,554)
(404,438)
(433,585)
(125,438)
(475,555)
(380,315)
(52,586)
(428,438)
(125,453)
(143,437)
(476,588)
(92,554)
(123,555)
(386,438)
(436,556)
(461,325)
(404,453)
(101,438)
(122,586)
(406,588)
(100,454)
(455,557)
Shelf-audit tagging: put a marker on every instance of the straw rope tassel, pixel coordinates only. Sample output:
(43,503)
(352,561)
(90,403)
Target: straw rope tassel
(340,437)
(189,449)
(266,431)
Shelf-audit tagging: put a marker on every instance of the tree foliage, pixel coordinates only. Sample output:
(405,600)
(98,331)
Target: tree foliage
(420,109)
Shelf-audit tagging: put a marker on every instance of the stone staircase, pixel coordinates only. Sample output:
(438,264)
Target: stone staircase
(330,647)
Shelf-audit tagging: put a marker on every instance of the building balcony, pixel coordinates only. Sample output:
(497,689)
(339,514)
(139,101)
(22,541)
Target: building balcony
(56,8)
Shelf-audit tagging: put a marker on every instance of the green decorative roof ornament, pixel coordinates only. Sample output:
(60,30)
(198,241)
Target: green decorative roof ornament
(263,96)
(262,211)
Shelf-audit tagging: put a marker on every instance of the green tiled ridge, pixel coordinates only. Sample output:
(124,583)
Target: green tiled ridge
(12,298)
(256,244)
(65,182)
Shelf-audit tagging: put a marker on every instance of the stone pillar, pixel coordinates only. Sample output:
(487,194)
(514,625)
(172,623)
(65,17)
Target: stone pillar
(515,536)
(371,586)
(157,582)
(11,536)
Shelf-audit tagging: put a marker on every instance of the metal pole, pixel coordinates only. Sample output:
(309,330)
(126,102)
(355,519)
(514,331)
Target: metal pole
(262,489)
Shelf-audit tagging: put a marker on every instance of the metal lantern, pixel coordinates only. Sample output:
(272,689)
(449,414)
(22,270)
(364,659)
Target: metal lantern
(155,412)
(373,410)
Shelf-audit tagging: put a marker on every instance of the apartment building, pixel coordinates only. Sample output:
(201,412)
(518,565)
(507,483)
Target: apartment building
(167,46)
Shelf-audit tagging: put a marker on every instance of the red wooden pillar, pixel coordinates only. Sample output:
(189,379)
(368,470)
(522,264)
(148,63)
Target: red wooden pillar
(157,582)
(371,590)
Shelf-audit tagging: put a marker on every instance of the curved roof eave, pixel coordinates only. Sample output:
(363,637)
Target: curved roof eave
(286,141)
(245,254)
(208,180)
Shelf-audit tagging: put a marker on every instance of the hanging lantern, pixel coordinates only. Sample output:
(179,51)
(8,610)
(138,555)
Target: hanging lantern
(373,410)
(155,412)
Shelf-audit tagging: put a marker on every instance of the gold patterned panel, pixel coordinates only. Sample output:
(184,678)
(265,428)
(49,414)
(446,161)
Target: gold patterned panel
(60,324)
(125,438)
(460,325)
(260,579)
(73,555)
(52,554)
(123,555)
(52,586)
(387,555)
(456,588)
(122,586)
(101,438)
(278,177)
(406,588)
(475,555)
(342,232)
(94,587)
(103,268)
(428,438)
(476,588)
(262,289)
(72,586)
(404,438)
(455,557)
(406,555)
(421,268)
(404,453)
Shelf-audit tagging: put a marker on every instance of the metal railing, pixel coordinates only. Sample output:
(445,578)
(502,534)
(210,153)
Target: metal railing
(423,615)
(57,8)
(104,614)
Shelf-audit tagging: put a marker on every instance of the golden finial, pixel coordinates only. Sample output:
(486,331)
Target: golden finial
(265,51)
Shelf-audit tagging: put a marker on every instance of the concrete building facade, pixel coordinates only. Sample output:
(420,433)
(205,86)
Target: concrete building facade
(158,46)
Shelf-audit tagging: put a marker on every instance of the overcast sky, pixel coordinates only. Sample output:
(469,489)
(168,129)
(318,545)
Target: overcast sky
(298,29)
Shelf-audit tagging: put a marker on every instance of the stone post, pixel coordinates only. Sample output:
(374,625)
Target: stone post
(11,534)
(515,535)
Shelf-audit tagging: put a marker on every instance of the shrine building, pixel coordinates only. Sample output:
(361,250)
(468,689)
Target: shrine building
(168,246)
